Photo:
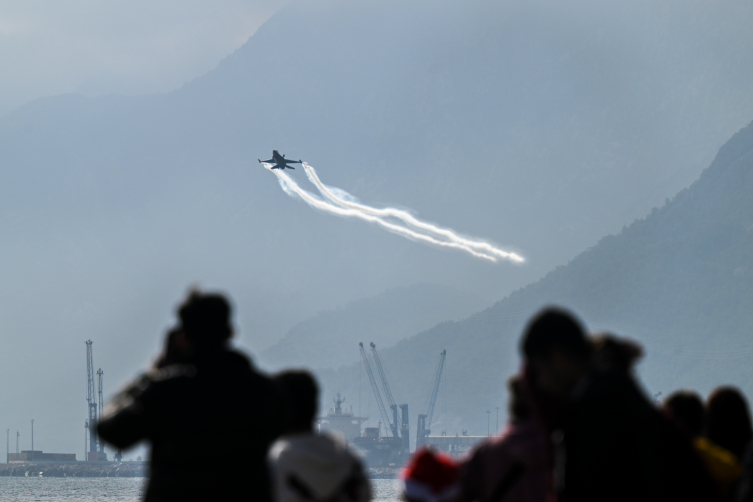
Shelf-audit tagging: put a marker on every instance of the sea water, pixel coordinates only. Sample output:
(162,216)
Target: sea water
(15,489)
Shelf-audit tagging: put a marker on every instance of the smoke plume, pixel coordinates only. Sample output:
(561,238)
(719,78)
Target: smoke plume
(343,204)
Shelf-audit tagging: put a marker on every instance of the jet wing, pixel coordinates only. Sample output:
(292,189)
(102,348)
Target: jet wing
(270,161)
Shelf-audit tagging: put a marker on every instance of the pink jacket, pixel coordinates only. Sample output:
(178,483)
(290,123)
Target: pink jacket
(522,445)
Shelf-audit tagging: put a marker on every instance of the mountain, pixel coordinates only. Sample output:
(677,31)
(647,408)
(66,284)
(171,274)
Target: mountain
(330,339)
(679,281)
(538,125)
(534,126)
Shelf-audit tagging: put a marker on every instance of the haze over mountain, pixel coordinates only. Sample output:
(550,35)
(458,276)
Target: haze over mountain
(679,281)
(133,47)
(541,126)
(330,339)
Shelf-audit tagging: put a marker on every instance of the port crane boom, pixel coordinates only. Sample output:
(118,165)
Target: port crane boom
(377,395)
(424,421)
(405,425)
(91,398)
(387,390)
(101,403)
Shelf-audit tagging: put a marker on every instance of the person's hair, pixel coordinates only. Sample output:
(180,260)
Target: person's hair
(205,319)
(555,329)
(616,354)
(686,410)
(728,420)
(302,395)
(518,402)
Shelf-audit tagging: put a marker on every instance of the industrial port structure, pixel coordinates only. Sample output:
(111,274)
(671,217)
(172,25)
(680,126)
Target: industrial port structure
(341,421)
(96,448)
(425,419)
(391,450)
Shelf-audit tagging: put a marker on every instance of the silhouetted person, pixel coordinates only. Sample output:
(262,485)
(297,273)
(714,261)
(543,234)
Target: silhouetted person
(512,467)
(307,466)
(685,409)
(609,442)
(728,421)
(209,421)
(728,425)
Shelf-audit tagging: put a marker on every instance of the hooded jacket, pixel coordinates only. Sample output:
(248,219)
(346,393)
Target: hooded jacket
(209,423)
(317,467)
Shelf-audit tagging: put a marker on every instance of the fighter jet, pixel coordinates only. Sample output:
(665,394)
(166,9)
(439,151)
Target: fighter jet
(279,161)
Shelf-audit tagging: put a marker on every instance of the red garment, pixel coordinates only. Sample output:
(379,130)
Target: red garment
(430,476)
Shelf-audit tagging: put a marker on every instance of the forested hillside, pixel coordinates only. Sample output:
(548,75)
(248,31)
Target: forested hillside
(680,281)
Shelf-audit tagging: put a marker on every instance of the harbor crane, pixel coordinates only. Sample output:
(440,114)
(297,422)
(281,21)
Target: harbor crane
(405,425)
(101,404)
(377,395)
(91,399)
(424,420)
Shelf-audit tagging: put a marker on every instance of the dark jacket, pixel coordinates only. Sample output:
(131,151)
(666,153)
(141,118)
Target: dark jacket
(745,487)
(615,445)
(210,425)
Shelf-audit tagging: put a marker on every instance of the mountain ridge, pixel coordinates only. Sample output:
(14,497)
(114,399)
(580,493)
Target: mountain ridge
(680,281)
(328,339)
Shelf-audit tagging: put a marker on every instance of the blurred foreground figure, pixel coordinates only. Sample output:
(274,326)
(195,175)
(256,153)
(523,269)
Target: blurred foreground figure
(430,476)
(728,420)
(307,466)
(728,425)
(609,442)
(207,414)
(685,409)
(512,467)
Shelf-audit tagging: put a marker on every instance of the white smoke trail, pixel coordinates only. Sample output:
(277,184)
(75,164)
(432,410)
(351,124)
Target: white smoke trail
(344,199)
(291,188)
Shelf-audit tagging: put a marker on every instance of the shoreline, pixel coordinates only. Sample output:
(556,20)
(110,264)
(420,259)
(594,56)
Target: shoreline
(75,469)
(117,470)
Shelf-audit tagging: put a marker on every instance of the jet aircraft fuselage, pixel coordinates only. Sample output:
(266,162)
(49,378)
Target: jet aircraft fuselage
(279,161)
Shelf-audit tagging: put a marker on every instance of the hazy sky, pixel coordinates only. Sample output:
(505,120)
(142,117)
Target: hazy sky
(126,47)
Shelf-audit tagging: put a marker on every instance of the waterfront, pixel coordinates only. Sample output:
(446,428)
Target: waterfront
(18,489)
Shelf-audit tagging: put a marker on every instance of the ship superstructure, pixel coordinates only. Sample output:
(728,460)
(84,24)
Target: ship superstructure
(343,422)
